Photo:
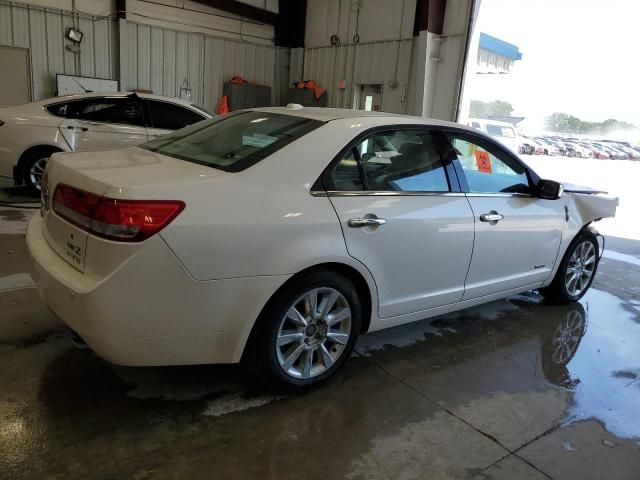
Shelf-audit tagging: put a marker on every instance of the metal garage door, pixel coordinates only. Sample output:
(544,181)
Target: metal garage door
(15,81)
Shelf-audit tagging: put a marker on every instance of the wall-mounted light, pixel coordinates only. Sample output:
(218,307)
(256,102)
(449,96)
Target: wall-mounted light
(74,35)
(185,90)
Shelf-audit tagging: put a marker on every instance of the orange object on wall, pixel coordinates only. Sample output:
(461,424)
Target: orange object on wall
(223,106)
(483,161)
(311,85)
(238,79)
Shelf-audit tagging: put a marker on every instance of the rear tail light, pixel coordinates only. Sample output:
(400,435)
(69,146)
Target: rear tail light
(114,219)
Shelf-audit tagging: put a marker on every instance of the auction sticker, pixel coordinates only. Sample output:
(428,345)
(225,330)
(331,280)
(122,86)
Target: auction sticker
(483,161)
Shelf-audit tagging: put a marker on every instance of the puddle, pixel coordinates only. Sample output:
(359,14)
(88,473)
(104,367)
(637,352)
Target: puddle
(236,402)
(18,280)
(213,385)
(605,368)
(15,220)
(417,332)
(12,215)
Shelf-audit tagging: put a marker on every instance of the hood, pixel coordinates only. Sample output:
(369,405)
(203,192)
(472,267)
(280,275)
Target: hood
(572,188)
(591,206)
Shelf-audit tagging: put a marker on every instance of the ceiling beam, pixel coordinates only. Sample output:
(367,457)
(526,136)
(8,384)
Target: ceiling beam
(242,9)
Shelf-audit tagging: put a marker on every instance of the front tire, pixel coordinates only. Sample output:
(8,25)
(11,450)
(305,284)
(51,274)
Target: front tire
(33,169)
(576,271)
(306,332)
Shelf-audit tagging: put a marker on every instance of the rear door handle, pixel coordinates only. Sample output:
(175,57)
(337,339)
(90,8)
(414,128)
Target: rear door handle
(82,129)
(366,222)
(491,217)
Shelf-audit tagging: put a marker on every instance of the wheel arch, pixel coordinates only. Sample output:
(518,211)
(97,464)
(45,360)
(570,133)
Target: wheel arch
(366,291)
(19,174)
(356,277)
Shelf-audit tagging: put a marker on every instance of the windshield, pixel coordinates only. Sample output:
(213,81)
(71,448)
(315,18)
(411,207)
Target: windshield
(235,141)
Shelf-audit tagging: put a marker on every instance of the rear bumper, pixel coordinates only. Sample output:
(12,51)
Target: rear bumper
(149,311)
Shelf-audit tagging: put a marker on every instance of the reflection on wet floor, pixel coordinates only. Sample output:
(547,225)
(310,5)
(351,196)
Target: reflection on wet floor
(604,370)
(590,348)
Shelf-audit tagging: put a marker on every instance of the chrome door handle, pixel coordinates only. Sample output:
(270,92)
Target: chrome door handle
(491,217)
(366,222)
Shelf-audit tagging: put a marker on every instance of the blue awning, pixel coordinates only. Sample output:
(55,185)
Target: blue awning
(499,47)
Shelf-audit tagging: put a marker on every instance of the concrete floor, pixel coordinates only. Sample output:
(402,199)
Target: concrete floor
(513,389)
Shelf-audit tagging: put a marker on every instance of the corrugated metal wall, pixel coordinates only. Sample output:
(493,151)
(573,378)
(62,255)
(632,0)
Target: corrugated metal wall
(42,31)
(159,59)
(372,63)
(150,57)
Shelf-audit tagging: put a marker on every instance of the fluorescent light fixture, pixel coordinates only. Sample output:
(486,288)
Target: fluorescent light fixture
(74,35)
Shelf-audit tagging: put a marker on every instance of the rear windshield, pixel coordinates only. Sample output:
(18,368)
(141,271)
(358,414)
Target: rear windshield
(235,141)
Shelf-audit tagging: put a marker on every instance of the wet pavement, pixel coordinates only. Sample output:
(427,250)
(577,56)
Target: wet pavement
(512,389)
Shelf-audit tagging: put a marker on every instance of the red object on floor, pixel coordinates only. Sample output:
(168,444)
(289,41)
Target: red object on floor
(311,85)
(223,106)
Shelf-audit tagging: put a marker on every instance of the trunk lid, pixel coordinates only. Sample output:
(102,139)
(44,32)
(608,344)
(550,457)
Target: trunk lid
(131,173)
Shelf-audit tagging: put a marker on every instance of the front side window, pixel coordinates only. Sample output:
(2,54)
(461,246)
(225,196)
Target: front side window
(233,142)
(168,116)
(486,169)
(401,160)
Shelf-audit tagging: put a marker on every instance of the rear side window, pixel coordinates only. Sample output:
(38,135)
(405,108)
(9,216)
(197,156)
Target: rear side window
(397,161)
(64,110)
(123,110)
(233,142)
(171,117)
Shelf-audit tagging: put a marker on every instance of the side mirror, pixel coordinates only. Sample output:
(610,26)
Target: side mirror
(549,189)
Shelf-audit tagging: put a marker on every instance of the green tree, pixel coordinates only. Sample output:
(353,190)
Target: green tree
(565,123)
(498,108)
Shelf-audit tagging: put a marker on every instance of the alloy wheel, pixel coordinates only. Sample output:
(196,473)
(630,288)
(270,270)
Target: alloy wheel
(36,171)
(567,337)
(580,268)
(313,333)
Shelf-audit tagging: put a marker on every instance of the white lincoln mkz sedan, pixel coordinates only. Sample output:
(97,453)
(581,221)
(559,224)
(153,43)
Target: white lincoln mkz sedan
(278,235)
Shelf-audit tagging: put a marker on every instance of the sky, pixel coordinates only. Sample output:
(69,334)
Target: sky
(578,57)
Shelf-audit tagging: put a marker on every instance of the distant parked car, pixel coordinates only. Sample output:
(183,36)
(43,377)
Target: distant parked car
(578,150)
(596,152)
(633,154)
(504,132)
(549,147)
(530,146)
(613,153)
(31,133)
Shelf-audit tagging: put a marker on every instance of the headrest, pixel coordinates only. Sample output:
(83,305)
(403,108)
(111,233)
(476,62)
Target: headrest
(411,148)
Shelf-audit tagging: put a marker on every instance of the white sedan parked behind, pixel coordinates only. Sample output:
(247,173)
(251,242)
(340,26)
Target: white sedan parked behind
(31,133)
(278,235)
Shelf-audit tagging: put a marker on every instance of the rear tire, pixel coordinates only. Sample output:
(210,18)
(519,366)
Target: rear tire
(295,344)
(576,271)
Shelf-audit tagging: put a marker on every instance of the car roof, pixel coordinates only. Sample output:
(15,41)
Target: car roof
(80,96)
(330,114)
(488,121)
